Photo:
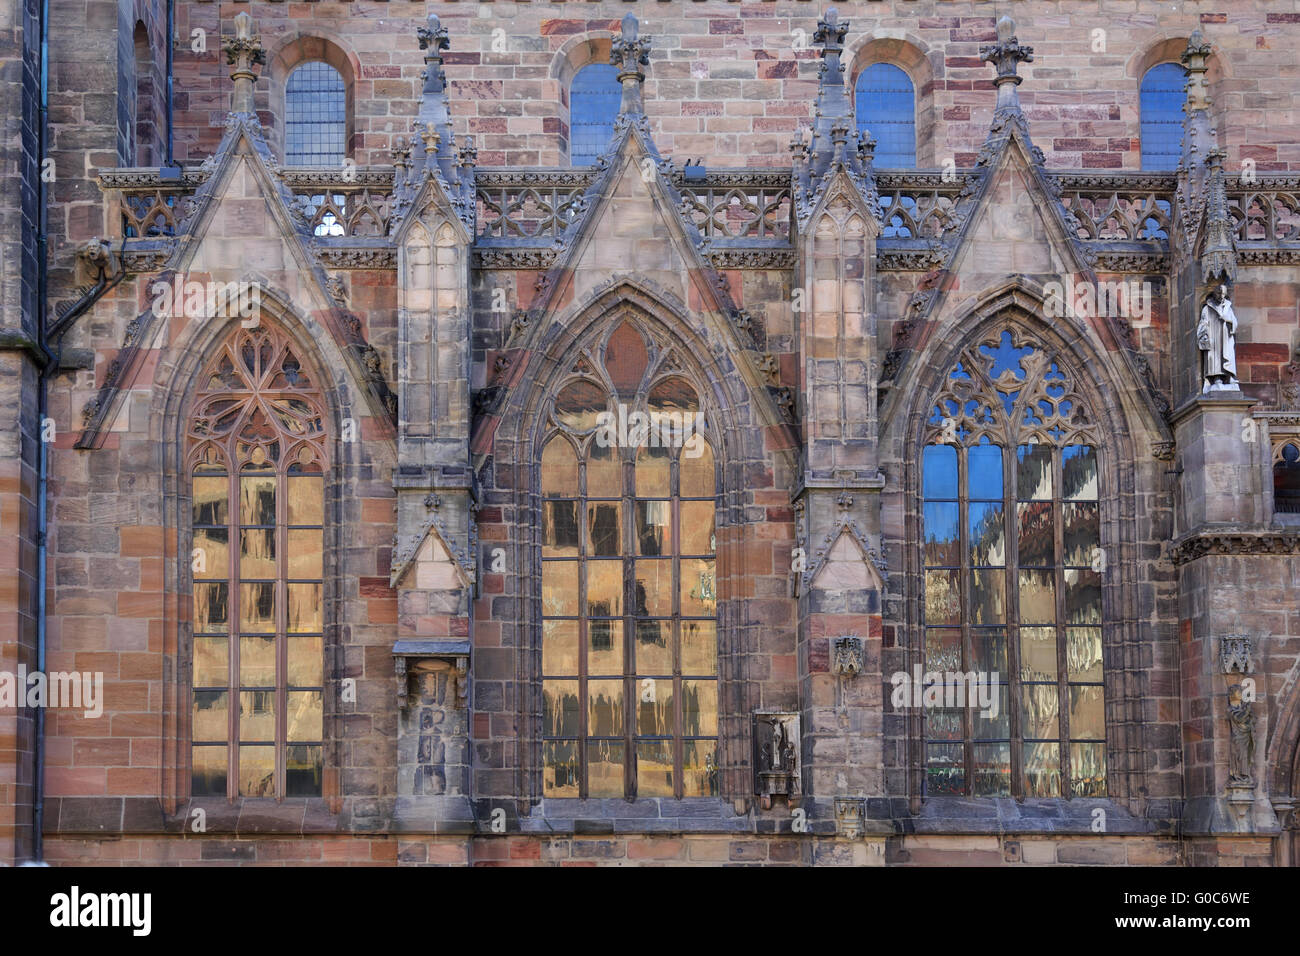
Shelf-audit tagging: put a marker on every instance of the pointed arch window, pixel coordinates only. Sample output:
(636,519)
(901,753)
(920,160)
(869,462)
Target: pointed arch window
(1013,567)
(594,98)
(628,587)
(1163,93)
(885,106)
(258,459)
(316,116)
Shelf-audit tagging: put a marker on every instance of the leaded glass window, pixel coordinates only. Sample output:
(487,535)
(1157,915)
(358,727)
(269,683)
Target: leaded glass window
(594,99)
(316,117)
(1163,94)
(628,588)
(885,106)
(258,459)
(1013,567)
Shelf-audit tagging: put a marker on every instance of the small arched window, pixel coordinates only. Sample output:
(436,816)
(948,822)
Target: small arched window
(628,588)
(1162,97)
(594,98)
(1013,568)
(258,459)
(1286,479)
(885,106)
(315,120)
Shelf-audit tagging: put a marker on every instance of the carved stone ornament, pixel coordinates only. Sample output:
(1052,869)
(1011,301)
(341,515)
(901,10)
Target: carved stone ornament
(850,817)
(777,758)
(1234,653)
(1241,744)
(850,656)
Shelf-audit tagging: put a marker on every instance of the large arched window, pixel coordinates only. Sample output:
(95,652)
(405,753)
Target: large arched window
(1013,568)
(594,98)
(315,119)
(885,106)
(1162,97)
(258,458)
(629,602)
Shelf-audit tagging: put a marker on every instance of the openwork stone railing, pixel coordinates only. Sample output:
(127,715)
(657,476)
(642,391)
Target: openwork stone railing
(357,202)
(528,204)
(917,204)
(151,207)
(740,206)
(1119,207)
(738,203)
(1267,210)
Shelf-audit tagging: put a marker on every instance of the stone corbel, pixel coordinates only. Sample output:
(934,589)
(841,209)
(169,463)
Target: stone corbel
(408,655)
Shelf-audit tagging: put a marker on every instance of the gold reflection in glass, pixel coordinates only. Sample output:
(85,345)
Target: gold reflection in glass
(559,469)
(560,648)
(306,662)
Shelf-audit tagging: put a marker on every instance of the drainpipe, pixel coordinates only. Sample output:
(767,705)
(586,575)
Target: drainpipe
(171,50)
(42,404)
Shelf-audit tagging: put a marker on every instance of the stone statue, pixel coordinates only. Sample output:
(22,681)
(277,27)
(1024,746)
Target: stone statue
(1241,744)
(1216,337)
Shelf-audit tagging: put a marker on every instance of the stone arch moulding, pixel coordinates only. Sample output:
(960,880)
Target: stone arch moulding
(1126,685)
(738,443)
(292,51)
(175,386)
(911,55)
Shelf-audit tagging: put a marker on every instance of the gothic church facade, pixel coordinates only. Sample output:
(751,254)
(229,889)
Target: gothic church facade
(724,432)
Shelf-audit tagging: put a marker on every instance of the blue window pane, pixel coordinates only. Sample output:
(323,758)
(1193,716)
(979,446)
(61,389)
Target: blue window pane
(984,464)
(316,120)
(939,471)
(594,99)
(885,105)
(1162,97)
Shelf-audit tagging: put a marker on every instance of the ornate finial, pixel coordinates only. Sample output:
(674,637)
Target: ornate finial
(468,153)
(243,52)
(830,33)
(1006,55)
(630,53)
(1195,59)
(433,40)
(1219,258)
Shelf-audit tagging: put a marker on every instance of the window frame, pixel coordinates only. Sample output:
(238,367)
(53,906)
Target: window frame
(343,120)
(860,97)
(1006,431)
(660,367)
(614,92)
(1147,158)
(217,454)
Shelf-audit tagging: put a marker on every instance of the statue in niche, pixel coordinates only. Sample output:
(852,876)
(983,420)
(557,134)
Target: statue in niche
(1241,745)
(1216,333)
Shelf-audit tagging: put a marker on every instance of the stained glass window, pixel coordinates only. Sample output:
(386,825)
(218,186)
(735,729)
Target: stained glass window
(1163,93)
(316,119)
(594,98)
(257,460)
(628,587)
(885,106)
(1013,569)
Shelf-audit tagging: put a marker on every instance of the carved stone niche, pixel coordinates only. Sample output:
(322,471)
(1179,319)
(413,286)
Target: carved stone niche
(777,759)
(413,657)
